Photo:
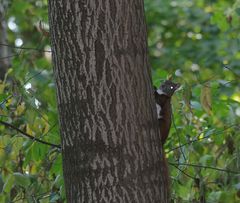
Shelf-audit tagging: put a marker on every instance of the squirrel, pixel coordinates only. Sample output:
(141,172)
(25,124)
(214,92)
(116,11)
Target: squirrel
(164,113)
(163,103)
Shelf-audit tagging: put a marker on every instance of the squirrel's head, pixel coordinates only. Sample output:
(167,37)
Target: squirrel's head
(168,88)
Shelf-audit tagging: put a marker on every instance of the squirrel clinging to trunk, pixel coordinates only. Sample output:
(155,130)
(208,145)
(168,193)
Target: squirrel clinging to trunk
(164,110)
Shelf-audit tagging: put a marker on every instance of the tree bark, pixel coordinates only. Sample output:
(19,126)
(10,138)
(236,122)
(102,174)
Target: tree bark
(4,52)
(110,139)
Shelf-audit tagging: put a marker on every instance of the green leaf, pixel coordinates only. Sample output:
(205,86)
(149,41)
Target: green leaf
(187,95)
(54,197)
(58,181)
(214,196)
(238,11)
(207,160)
(183,191)
(206,98)
(9,183)
(1,184)
(220,19)
(21,179)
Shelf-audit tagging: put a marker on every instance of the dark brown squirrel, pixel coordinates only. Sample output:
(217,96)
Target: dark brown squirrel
(164,112)
(163,97)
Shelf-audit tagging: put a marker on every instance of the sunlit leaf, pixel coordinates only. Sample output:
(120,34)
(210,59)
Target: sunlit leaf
(9,183)
(187,95)
(20,109)
(206,99)
(29,130)
(2,86)
(21,179)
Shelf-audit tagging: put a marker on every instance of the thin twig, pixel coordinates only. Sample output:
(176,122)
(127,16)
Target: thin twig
(232,71)
(24,48)
(179,140)
(10,56)
(51,128)
(6,99)
(201,138)
(184,172)
(25,82)
(29,136)
(205,167)
(30,78)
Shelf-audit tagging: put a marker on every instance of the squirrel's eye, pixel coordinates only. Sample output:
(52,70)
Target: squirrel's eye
(171,87)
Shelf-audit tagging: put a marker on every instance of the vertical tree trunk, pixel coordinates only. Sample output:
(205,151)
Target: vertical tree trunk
(110,141)
(4,60)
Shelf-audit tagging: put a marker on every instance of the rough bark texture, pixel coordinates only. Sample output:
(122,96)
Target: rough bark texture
(111,145)
(4,53)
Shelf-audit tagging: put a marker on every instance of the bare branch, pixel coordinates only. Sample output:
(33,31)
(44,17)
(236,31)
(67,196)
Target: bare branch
(184,172)
(8,125)
(201,138)
(205,167)
(25,48)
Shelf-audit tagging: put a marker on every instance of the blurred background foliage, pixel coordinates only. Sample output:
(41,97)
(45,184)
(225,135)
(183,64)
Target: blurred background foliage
(195,41)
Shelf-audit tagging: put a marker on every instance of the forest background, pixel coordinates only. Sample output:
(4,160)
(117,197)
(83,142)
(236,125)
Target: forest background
(195,41)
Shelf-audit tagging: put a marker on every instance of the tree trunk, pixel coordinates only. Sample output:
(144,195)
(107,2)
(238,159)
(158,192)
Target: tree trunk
(4,53)
(110,142)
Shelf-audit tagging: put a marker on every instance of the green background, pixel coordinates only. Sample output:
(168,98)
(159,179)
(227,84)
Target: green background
(194,41)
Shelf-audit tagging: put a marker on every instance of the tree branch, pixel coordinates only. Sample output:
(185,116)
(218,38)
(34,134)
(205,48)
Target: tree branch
(201,138)
(179,139)
(232,71)
(205,167)
(10,56)
(8,125)
(24,48)
(184,172)
(25,82)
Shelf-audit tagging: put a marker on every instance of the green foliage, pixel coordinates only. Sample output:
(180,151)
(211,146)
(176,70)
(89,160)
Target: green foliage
(29,171)
(195,41)
(198,43)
